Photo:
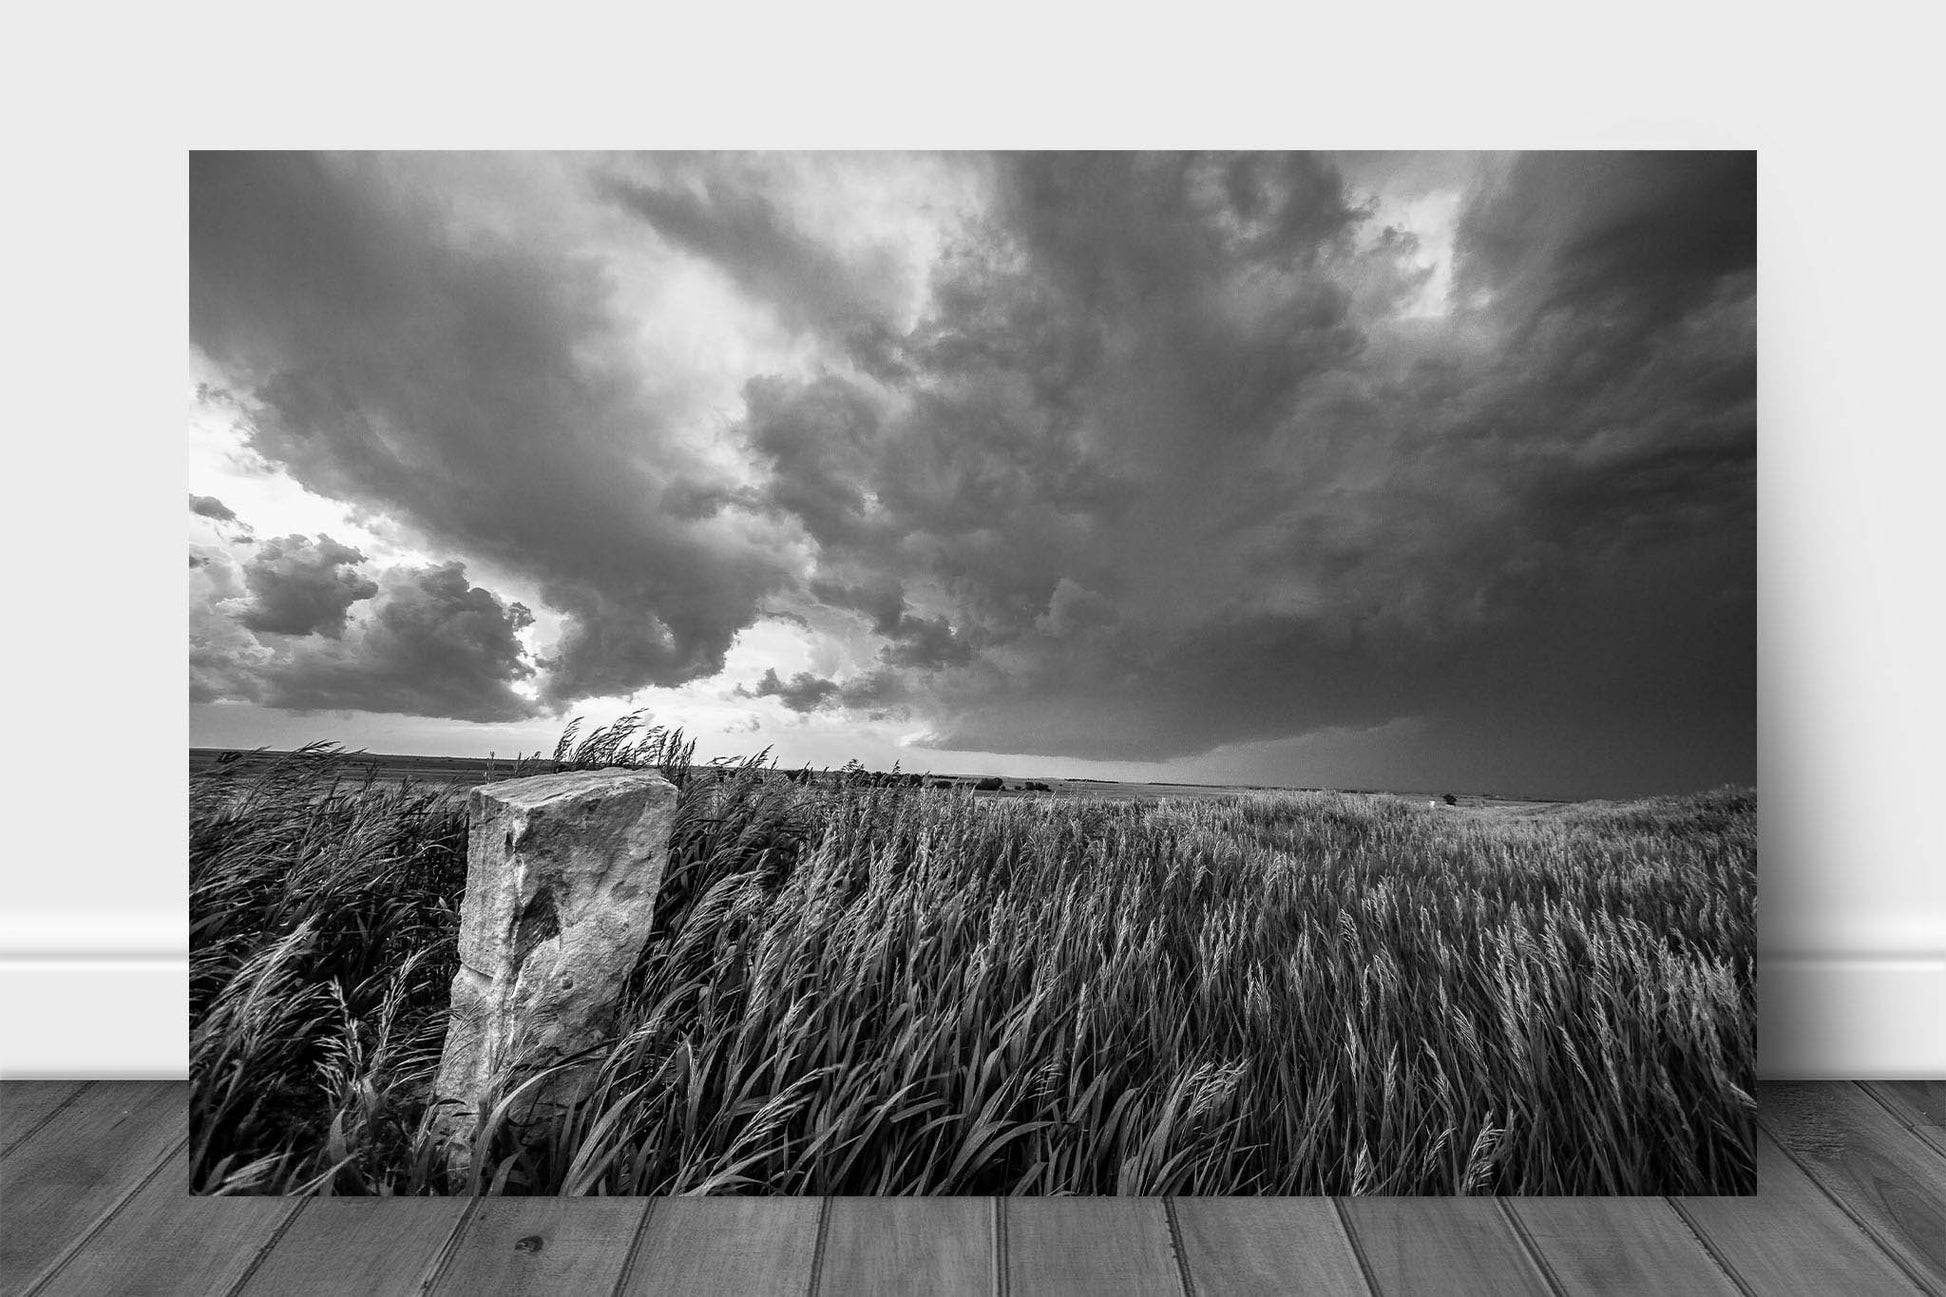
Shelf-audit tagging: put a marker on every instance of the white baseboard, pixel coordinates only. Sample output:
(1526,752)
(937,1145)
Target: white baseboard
(1838,1017)
(111,938)
(94,1018)
(1821,1016)
(94,995)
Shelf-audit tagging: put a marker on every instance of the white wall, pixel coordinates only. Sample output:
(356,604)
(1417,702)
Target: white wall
(1853,897)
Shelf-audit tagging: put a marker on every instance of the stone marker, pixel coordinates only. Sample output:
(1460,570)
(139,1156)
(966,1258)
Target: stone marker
(562,873)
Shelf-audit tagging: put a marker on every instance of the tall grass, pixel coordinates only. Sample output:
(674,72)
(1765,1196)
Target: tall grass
(869,991)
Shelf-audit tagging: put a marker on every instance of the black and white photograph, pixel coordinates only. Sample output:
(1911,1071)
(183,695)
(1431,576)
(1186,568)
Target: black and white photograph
(851,674)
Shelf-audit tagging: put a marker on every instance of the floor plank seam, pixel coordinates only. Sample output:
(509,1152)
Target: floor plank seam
(1722,1262)
(817,1253)
(999,1245)
(1878,1101)
(1917,1129)
(101,1222)
(1176,1246)
(1000,1279)
(1935,1150)
(50,1115)
(264,1249)
(1864,1226)
(1528,1246)
(1357,1247)
(634,1250)
(443,1259)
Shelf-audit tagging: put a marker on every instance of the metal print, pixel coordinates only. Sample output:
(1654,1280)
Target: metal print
(972,674)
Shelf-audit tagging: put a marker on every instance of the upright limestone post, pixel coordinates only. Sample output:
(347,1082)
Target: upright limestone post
(562,873)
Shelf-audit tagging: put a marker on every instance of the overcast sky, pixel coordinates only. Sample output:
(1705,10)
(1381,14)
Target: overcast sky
(1407,471)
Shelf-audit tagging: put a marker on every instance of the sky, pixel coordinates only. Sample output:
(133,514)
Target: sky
(1409,471)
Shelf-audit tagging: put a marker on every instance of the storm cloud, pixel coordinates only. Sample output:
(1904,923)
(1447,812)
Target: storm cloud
(1171,456)
(279,631)
(435,646)
(477,383)
(208,506)
(723,215)
(223,517)
(303,586)
(1119,456)
(804,692)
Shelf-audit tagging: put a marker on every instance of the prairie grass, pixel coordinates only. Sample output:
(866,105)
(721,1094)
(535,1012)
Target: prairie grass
(891,991)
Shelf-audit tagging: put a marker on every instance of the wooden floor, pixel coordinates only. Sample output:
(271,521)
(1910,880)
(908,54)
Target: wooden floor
(1852,1200)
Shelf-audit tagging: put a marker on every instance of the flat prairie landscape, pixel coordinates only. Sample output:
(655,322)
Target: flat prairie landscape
(856,986)
(467,771)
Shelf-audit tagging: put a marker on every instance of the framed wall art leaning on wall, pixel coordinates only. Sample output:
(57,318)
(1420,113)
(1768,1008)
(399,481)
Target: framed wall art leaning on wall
(1041,673)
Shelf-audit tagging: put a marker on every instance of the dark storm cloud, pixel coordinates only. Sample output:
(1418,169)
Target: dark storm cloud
(1073,610)
(882,601)
(477,384)
(427,643)
(1091,362)
(926,642)
(804,692)
(1621,291)
(435,646)
(208,506)
(819,440)
(880,694)
(1175,453)
(726,217)
(1170,470)
(227,523)
(1634,237)
(302,585)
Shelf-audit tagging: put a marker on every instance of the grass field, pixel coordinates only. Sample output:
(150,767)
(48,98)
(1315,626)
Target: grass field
(873,990)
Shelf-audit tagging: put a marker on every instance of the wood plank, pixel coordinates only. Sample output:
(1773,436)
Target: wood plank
(378,1246)
(543,1245)
(1116,1247)
(1455,1246)
(1889,1180)
(726,1247)
(1611,1245)
(79,1166)
(1921,1105)
(1913,1103)
(896,1246)
(24,1105)
(1790,1239)
(167,1242)
(97,1164)
(1267,1247)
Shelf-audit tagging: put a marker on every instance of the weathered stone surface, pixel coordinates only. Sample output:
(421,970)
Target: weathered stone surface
(561,878)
